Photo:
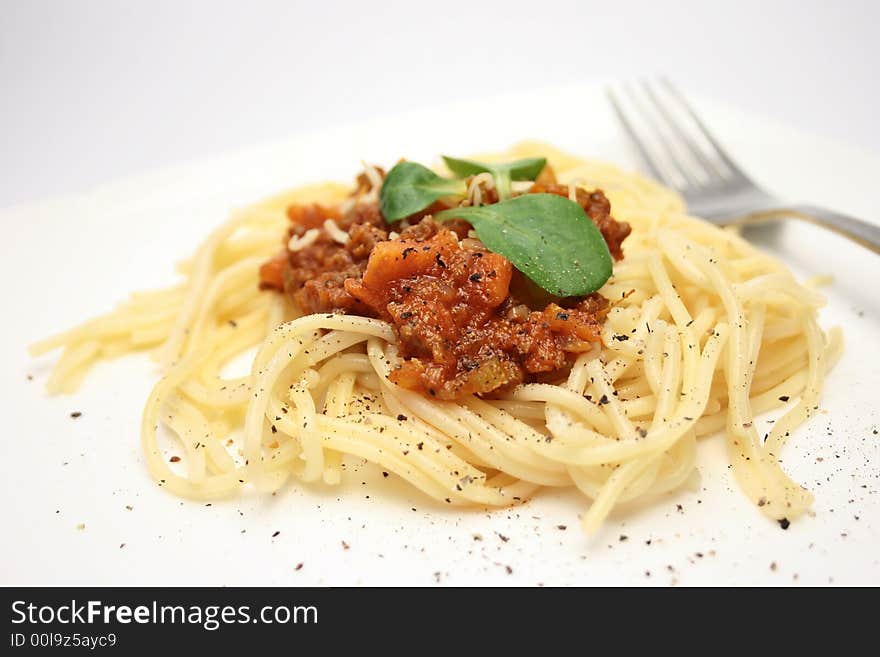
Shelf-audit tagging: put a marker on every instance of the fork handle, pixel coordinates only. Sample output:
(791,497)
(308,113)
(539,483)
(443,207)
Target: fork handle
(862,232)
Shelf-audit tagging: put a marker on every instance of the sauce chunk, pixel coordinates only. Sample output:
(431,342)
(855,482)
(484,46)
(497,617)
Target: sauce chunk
(467,321)
(460,329)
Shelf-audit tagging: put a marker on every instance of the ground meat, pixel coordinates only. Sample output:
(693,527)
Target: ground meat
(315,275)
(303,217)
(467,321)
(598,208)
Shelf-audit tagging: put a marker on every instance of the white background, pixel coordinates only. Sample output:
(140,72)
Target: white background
(91,91)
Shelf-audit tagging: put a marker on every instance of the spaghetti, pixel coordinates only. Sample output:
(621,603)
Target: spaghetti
(704,333)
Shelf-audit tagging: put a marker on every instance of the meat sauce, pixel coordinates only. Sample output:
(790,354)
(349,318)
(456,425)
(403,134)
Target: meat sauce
(467,321)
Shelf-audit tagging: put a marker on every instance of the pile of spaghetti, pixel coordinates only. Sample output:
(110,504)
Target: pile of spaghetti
(694,333)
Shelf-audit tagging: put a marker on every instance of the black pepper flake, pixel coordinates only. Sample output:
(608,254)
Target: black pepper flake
(401,417)
(274,430)
(784,523)
(275,534)
(420,446)
(384,474)
(174,459)
(509,570)
(440,262)
(405,315)
(406,252)
(475,278)
(623,538)
(562,527)
(620,338)
(299,566)
(562,316)
(503,537)
(76,414)
(345,546)
(784,398)
(603,400)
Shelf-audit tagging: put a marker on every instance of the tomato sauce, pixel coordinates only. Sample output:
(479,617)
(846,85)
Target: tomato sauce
(467,321)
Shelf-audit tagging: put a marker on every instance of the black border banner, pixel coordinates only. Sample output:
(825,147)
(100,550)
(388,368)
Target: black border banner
(129,619)
(132,620)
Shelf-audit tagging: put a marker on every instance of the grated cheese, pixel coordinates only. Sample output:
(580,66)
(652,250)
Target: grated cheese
(474,193)
(297,243)
(335,232)
(573,188)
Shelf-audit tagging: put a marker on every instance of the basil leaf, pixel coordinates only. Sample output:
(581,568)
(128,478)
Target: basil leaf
(547,237)
(502,172)
(410,187)
(527,169)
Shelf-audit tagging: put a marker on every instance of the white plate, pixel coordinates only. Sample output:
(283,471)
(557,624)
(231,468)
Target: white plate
(67,260)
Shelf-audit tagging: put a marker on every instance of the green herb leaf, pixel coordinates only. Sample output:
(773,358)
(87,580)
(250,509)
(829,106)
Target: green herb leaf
(502,172)
(547,237)
(410,187)
(527,169)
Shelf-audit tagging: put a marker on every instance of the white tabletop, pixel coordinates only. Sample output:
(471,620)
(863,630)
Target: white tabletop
(92,91)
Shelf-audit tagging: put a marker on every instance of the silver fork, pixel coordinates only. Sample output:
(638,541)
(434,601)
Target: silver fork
(680,152)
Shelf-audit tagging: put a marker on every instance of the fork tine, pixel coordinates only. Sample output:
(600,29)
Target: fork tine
(719,151)
(635,139)
(668,147)
(688,144)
